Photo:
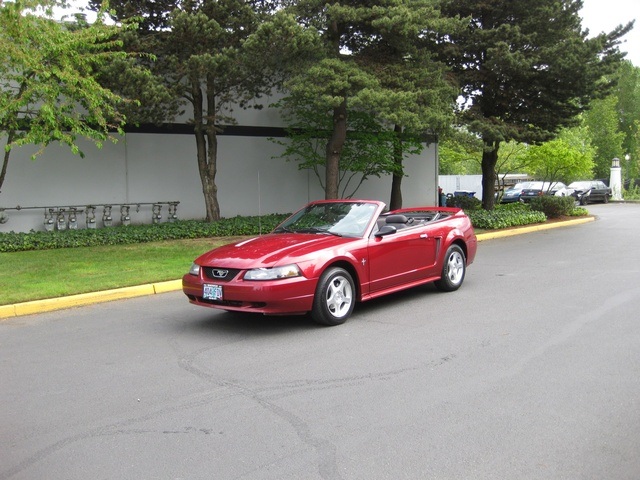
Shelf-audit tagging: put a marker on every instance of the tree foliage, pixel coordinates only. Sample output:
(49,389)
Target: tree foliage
(152,15)
(373,60)
(48,89)
(213,56)
(459,153)
(628,94)
(565,158)
(606,137)
(368,150)
(526,69)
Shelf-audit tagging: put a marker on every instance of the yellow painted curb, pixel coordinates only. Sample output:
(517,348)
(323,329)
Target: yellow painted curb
(533,228)
(41,306)
(48,305)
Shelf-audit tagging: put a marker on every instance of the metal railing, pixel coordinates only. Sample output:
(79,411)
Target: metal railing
(63,217)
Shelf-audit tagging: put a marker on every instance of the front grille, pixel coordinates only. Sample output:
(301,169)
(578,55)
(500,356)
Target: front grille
(231,303)
(220,274)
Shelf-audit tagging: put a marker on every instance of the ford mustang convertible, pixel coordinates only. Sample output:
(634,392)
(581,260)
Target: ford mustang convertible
(331,254)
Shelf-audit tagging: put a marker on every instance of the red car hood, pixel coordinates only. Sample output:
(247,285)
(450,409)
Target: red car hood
(270,250)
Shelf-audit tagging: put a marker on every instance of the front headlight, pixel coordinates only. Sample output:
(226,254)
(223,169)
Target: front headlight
(194,270)
(275,273)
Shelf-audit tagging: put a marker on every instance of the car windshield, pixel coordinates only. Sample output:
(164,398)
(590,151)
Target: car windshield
(349,219)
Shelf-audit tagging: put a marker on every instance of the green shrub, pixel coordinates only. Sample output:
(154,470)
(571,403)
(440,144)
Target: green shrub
(120,235)
(464,202)
(505,217)
(513,207)
(579,212)
(632,193)
(553,207)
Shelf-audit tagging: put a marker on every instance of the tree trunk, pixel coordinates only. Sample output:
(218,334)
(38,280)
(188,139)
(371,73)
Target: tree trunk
(396,182)
(5,161)
(206,149)
(11,134)
(334,150)
(489,161)
(206,144)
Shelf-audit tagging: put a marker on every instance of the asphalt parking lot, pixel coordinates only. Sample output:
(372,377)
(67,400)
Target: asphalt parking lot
(530,371)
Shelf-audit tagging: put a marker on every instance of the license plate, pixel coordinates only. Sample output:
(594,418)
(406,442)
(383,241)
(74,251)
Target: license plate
(212,292)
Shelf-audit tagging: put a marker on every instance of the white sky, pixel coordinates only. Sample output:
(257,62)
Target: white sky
(598,16)
(604,15)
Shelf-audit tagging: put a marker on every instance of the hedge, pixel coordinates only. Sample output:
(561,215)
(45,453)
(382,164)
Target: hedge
(503,216)
(120,235)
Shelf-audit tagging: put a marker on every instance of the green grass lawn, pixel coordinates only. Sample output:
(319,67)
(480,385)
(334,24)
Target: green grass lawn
(34,275)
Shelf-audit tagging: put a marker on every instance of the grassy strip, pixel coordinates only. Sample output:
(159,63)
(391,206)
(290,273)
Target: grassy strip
(35,275)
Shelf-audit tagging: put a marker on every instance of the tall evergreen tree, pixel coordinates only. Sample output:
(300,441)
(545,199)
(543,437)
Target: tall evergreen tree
(526,68)
(374,61)
(212,55)
(152,15)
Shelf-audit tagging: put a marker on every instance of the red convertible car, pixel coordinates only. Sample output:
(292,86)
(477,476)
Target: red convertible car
(331,254)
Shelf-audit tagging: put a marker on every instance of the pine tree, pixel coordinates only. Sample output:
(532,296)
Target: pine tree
(526,68)
(375,59)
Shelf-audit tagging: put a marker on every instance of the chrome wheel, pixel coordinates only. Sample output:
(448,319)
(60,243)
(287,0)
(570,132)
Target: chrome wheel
(339,296)
(453,270)
(335,297)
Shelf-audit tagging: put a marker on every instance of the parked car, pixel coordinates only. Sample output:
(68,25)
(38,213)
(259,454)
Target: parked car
(331,254)
(536,189)
(513,194)
(590,191)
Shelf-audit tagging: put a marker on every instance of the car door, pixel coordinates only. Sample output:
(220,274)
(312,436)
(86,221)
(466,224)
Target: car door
(598,191)
(407,256)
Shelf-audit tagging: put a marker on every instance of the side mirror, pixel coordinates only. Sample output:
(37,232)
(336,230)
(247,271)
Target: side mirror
(386,230)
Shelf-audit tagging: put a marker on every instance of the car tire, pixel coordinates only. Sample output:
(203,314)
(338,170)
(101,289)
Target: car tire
(606,199)
(335,297)
(583,200)
(453,270)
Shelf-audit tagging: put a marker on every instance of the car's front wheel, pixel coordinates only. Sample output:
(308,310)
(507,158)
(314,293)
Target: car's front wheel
(453,270)
(335,297)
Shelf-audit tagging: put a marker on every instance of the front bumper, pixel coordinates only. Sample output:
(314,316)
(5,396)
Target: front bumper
(273,297)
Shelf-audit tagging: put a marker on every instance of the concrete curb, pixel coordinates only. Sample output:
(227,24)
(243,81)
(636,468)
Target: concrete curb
(48,305)
(534,228)
(41,306)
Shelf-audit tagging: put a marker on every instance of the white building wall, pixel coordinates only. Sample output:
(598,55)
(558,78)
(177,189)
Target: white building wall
(454,183)
(153,167)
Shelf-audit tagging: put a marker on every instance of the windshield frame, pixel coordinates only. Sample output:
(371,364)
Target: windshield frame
(343,218)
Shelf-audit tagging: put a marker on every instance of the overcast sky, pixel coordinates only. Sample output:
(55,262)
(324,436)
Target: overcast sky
(604,15)
(598,16)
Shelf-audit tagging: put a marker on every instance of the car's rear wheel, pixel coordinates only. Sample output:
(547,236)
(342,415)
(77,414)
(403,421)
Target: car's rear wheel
(453,270)
(335,297)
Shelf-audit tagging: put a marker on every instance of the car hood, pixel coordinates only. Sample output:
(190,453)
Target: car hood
(270,250)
